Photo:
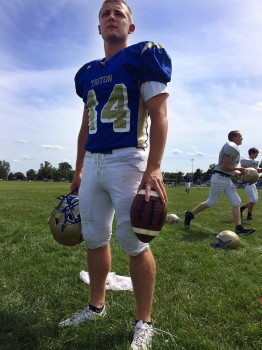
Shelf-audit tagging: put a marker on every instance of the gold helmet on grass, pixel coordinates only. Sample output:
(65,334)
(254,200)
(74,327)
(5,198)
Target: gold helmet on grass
(172,219)
(226,240)
(65,222)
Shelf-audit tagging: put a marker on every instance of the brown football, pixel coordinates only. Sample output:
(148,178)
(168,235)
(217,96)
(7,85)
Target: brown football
(147,218)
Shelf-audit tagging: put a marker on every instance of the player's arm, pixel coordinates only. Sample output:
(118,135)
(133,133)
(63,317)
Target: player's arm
(82,139)
(227,166)
(152,178)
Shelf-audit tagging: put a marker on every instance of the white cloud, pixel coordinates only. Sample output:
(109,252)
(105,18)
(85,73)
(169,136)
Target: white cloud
(176,151)
(52,147)
(197,154)
(21,141)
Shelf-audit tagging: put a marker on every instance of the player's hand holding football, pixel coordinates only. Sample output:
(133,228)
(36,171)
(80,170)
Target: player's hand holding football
(242,170)
(153,179)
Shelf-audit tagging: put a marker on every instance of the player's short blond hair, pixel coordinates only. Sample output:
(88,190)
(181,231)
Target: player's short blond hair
(122,2)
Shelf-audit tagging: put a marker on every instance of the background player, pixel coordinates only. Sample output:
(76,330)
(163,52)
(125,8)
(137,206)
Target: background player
(119,92)
(250,189)
(187,179)
(198,183)
(221,183)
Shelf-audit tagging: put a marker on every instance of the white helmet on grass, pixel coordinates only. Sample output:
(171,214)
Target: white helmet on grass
(172,219)
(226,240)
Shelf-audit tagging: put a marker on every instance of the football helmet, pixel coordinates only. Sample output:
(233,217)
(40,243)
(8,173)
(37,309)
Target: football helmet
(251,176)
(65,221)
(226,240)
(172,219)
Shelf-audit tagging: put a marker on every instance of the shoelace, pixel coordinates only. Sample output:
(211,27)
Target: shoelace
(100,162)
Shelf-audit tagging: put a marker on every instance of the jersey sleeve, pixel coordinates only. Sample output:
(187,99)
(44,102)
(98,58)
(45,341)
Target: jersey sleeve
(80,78)
(78,86)
(231,149)
(152,88)
(155,63)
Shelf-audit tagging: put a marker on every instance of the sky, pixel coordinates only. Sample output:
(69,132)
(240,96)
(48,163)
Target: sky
(216,86)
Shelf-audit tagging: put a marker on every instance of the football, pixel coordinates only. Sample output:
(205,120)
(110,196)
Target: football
(147,218)
(251,176)
(172,219)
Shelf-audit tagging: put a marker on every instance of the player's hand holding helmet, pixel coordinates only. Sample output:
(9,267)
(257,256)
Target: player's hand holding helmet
(65,221)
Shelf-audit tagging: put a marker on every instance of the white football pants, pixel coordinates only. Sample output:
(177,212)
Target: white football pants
(109,185)
(220,185)
(252,194)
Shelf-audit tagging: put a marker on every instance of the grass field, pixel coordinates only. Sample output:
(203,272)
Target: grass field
(207,298)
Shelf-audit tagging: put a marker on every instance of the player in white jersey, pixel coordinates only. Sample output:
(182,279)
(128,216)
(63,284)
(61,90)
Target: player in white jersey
(221,182)
(250,189)
(120,91)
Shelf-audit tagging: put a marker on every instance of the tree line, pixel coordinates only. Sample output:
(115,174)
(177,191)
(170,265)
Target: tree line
(46,172)
(64,172)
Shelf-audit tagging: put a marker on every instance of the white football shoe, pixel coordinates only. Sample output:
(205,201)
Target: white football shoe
(143,334)
(82,316)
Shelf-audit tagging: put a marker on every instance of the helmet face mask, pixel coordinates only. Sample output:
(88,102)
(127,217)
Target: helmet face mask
(65,221)
(226,240)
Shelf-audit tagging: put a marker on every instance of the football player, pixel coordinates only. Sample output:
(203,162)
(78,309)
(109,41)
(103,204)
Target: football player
(221,182)
(198,183)
(187,179)
(119,92)
(250,189)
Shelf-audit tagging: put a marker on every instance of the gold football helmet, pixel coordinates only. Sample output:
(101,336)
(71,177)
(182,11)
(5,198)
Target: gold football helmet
(226,240)
(65,221)
(172,219)
(251,176)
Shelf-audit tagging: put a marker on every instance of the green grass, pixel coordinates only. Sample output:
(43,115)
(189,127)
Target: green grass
(207,298)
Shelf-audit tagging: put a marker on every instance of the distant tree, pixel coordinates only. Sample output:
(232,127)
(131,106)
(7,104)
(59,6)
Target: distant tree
(46,171)
(56,175)
(209,172)
(179,176)
(197,175)
(4,169)
(168,177)
(70,175)
(64,166)
(173,177)
(31,174)
(19,176)
(11,177)
(64,169)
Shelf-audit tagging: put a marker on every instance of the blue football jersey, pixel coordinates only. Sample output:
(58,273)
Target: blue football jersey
(187,178)
(111,92)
